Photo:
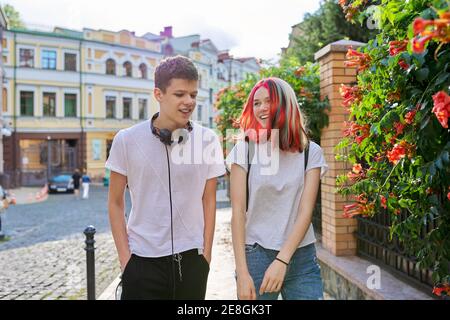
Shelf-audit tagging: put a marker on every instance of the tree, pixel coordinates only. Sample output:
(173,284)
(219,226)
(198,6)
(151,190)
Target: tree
(305,81)
(13,16)
(326,25)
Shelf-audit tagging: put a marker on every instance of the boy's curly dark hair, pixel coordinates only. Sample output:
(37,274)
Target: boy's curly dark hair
(177,67)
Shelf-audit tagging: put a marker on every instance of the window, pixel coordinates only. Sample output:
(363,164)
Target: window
(200,81)
(49,59)
(26,58)
(27,103)
(70,105)
(49,104)
(5,100)
(143,109)
(70,61)
(210,122)
(199,112)
(90,103)
(211,95)
(110,67)
(127,102)
(110,107)
(128,69)
(143,69)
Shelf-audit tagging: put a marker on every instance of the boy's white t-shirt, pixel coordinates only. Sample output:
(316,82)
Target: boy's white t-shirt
(139,155)
(274,198)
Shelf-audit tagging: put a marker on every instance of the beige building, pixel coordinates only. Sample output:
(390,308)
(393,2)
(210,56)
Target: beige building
(3,130)
(67,93)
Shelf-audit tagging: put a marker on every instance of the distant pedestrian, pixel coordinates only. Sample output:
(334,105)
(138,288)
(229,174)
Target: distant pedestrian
(76,183)
(85,180)
(6,199)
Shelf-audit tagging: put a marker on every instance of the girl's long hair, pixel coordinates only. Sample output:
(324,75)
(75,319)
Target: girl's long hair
(284,115)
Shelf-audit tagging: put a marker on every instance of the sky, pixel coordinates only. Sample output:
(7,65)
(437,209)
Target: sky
(248,28)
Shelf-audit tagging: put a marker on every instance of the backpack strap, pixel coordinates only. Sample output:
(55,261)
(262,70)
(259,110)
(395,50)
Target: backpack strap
(250,149)
(306,155)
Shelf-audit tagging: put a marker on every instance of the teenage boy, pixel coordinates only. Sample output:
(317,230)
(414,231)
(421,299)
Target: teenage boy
(165,247)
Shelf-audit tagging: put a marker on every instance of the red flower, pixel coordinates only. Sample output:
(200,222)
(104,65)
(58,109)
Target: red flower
(356,174)
(395,47)
(365,131)
(441,289)
(357,168)
(305,93)
(409,117)
(403,65)
(420,24)
(448,196)
(394,96)
(397,153)
(418,45)
(357,59)
(399,127)
(383,202)
(438,29)
(441,107)
(349,94)
(351,129)
(351,210)
(299,72)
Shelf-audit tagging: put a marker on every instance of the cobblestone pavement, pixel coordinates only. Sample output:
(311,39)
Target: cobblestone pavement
(45,257)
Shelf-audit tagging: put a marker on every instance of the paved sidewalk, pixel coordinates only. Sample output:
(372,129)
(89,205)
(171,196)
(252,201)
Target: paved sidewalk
(28,195)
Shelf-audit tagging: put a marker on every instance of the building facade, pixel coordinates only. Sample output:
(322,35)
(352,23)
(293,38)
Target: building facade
(67,93)
(3,130)
(217,69)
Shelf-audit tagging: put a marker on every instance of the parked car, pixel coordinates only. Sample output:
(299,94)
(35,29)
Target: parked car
(62,182)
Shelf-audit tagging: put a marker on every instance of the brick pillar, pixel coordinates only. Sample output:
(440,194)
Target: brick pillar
(337,232)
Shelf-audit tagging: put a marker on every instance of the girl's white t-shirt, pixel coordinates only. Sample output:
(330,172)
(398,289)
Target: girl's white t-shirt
(139,155)
(275,189)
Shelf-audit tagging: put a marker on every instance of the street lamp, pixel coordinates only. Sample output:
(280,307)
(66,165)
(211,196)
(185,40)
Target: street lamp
(49,154)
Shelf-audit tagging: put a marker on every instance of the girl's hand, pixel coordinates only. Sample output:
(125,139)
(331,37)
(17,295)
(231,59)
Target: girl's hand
(273,278)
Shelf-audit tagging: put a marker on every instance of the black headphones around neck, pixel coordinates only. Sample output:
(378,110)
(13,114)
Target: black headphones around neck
(166,136)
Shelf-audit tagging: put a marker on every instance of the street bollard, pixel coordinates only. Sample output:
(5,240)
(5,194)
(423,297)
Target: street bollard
(89,232)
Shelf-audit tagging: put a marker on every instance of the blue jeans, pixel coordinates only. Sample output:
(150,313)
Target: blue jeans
(302,280)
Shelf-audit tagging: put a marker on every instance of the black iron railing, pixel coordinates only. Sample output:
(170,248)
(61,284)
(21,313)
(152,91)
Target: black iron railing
(373,243)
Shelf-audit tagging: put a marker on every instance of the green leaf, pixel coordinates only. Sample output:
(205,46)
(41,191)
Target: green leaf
(445,157)
(403,203)
(432,169)
(425,122)
(438,164)
(442,78)
(422,74)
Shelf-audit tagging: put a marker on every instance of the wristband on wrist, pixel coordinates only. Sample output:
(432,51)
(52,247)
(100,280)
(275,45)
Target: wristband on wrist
(283,262)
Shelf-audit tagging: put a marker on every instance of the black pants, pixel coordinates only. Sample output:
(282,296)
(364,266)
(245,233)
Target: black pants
(159,278)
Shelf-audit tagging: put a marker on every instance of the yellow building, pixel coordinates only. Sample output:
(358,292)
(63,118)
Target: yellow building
(66,94)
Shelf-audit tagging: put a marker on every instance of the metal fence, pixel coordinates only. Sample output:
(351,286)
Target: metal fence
(373,243)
